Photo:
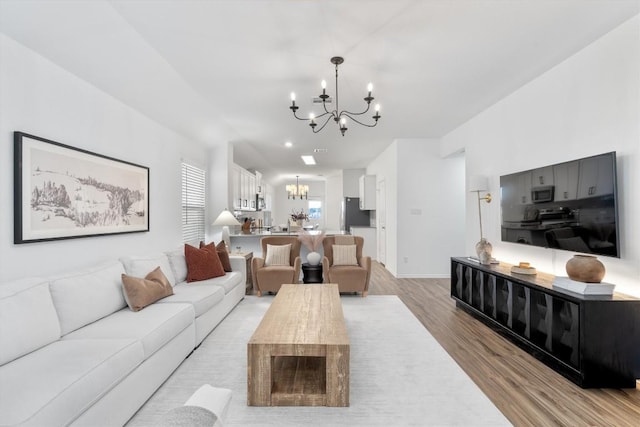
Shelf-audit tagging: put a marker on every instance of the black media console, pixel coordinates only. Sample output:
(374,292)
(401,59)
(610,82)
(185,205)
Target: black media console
(593,340)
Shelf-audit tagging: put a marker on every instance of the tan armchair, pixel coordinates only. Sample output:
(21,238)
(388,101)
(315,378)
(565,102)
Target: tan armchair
(269,278)
(350,278)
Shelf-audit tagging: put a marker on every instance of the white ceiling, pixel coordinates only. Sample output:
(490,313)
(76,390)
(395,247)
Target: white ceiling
(223,70)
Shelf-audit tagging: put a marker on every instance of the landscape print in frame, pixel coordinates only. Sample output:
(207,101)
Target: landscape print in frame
(62,192)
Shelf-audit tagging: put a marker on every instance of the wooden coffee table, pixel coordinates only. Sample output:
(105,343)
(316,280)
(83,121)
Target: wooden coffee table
(299,354)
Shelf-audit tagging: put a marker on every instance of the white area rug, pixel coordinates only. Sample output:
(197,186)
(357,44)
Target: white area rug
(400,375)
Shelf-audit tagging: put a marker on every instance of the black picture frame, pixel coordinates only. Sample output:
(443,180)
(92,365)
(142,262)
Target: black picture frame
(64,192)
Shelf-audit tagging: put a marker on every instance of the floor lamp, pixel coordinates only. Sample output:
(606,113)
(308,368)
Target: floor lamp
(478,184)
(225,219)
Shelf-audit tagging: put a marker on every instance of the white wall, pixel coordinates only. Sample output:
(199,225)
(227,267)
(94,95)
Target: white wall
(424,207)
(218,187)
(333,199)
(42,99)
(587,105)
(284,206)
(430,209)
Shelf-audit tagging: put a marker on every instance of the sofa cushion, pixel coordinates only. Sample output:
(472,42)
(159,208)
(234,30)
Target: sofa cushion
(202,264)
(85,296)
(55,384)
(28,319)
(140,292)
(178,264)
(154,326)
(202,297)
(228,282)
(140,265)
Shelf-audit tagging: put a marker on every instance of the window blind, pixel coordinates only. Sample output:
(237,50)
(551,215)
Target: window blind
(193,203)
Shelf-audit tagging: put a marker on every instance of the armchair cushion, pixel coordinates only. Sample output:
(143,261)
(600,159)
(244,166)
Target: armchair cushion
(344,255)
(280,263)
(278,255)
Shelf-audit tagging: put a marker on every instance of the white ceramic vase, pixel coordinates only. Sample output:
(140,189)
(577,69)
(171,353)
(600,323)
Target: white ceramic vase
(313,258)
(484,249)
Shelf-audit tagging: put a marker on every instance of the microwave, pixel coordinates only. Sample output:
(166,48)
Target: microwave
(542,194)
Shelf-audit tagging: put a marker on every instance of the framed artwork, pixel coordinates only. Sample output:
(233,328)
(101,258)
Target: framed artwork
(62,192)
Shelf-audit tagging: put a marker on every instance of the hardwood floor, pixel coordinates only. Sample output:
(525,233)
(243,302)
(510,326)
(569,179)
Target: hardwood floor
(526,391)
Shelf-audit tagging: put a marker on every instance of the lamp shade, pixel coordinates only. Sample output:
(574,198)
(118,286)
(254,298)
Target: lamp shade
(477,183)
(226,218)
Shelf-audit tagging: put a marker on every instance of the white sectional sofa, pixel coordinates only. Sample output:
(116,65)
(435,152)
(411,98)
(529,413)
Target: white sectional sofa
(73,353)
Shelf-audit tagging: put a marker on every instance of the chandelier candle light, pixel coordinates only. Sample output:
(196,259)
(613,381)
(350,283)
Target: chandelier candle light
(340,117)
(297,190)
(478,184)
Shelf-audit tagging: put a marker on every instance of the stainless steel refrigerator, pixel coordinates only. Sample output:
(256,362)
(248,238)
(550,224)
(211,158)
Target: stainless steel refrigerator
(352,215)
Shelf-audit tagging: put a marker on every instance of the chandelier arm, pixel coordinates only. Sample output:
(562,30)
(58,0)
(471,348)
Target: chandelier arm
(324,124)
(346,113)
(336,114)
(307,119)
(324,105)
(356,114)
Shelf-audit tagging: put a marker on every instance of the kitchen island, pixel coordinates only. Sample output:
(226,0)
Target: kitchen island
(251,242)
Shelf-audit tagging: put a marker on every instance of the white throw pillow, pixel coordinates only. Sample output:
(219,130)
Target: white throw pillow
(139,266)
(344,255)
(278,254)
(84,296)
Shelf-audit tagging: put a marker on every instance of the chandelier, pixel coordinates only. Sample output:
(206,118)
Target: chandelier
(340,117)
(297,190)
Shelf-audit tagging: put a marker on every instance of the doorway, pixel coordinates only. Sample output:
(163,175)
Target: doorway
(381,214)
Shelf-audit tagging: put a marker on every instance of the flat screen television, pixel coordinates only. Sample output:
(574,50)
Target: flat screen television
(570,206)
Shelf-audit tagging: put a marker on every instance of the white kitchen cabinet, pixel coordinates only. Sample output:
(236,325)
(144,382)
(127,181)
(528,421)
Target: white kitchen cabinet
(542,176)
(596,177)
(236,197)
(565,177)
(367,185)
(243,189)
(524,188)
(369,234)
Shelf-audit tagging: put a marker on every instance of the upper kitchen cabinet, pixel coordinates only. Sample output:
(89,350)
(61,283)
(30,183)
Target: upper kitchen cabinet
(565,177)
(367,192)
(596,177)
(542,176)
(244,189)
(523,187)
(236,196)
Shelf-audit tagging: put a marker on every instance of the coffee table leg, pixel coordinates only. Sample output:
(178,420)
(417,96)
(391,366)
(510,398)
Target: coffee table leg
(258,375)
(337,375)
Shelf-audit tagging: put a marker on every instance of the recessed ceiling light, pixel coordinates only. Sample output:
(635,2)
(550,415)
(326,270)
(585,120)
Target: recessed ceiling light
(308,160)
(288,144)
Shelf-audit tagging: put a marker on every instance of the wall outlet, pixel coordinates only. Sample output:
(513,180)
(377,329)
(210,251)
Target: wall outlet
(406,259)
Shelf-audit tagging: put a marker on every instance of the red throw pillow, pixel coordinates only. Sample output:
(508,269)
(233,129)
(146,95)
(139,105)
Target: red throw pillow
(202,264)
(221,249)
